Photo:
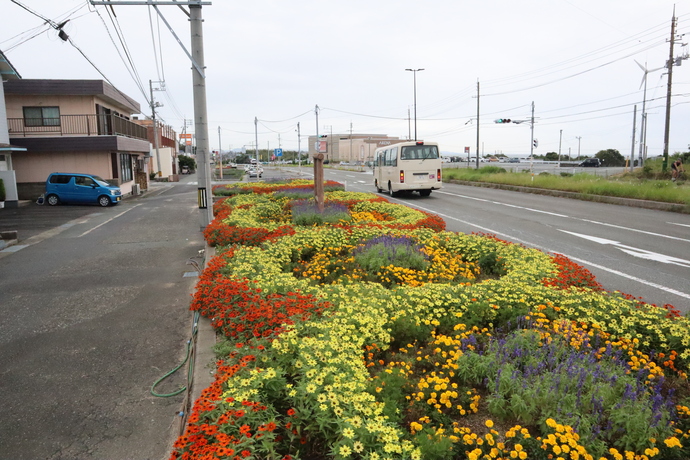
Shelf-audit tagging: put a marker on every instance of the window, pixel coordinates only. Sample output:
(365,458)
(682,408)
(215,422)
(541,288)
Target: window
(392,157)
(41,116)
(86,181)
(125,167)
(419,152)
(60,179)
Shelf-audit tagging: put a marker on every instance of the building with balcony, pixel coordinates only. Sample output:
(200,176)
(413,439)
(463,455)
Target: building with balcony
(74,126)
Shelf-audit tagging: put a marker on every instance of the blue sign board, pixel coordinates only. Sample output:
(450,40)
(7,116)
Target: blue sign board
(278,152)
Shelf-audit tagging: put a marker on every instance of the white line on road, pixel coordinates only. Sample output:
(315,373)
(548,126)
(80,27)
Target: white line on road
(576,259)
(504,204)
(109,220)
(661,235)
(675,223)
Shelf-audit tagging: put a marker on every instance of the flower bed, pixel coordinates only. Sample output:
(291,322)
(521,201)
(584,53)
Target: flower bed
(368,338)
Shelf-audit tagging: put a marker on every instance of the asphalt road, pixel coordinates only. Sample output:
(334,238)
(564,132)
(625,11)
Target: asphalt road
(94,307)
(641,252)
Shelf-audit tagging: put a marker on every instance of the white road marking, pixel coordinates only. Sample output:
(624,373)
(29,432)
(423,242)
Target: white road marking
(675,223)
(636,252)
(109,220)
(547,250)
(661,235)
(503,204)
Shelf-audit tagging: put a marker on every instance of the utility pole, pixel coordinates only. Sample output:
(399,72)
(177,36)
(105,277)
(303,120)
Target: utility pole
(318,168)
(299,151)
(560,141)
(632,149)
(155,129)
(409,124)
(350,156)
(664,164)
(256,140)
(531,146)
(477,164)
(199,91)
(220,154)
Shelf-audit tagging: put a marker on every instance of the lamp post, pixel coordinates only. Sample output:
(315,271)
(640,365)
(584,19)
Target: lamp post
(414,72)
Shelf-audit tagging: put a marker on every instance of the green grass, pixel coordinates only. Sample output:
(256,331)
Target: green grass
(624,186)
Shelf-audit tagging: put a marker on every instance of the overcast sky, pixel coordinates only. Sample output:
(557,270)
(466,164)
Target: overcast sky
(276,60)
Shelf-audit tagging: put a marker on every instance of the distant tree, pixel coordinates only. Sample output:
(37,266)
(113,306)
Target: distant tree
(551,156)
(610,157)
(184,160)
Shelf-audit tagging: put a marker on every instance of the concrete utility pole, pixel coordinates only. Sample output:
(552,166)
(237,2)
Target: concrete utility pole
(477,125)
(531,146)
(155,129)
(664,164)
(220,154)
(632,149)
(318,168)
(299,152)
(256,140)
(578,147)
(199,91)
(560,141)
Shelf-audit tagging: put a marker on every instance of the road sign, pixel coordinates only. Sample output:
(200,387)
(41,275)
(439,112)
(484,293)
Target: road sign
(278,152)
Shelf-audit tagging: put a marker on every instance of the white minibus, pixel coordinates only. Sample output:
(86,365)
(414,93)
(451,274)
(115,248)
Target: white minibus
(408,167)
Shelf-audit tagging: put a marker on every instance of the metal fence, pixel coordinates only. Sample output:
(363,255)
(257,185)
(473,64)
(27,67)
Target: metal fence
(76,125)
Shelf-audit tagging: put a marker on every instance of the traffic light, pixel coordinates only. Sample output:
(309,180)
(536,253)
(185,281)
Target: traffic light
(502,120)
(536,143)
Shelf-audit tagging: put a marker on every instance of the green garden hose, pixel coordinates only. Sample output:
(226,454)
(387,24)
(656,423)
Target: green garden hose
(190,368)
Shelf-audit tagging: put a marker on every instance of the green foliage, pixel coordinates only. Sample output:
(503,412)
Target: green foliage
(373,257)
(491,264)
(491,170)
(611,157)
(530,379)
(566,174)
(184,160)
(2,190)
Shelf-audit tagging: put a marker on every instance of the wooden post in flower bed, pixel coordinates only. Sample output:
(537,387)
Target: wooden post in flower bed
(318,181)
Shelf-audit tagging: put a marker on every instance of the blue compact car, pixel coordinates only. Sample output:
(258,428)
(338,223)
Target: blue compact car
(81,189)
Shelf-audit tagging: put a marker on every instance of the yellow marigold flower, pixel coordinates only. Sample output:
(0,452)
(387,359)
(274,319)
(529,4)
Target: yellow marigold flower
(489,423)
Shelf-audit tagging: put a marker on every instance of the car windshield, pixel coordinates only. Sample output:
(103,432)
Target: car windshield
(419,152)
(100,181)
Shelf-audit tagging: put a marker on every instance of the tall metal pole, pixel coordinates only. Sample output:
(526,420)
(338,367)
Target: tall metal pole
(155,130)
(477,125)
(643,117)
(200,116)
(531,145)
(256,140)
(414,72)
(220,154)
(560,141)
(299,152)
(632,149)
(664,164)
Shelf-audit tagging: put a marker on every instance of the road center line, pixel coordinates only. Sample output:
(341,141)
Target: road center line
(547,250)
(109,220)
(505,204)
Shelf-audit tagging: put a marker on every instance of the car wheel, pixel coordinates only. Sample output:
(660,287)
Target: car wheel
(53,200)
(104,201)
(390,190)
(425,192)
(376,184)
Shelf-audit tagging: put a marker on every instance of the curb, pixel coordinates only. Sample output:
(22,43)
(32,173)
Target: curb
(205,359)
(647,204)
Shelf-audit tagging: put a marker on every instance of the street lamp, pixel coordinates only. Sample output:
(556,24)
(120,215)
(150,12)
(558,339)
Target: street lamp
(414,72)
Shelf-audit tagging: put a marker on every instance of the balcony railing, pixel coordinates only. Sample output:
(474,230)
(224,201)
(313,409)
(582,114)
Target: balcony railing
(76,125)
